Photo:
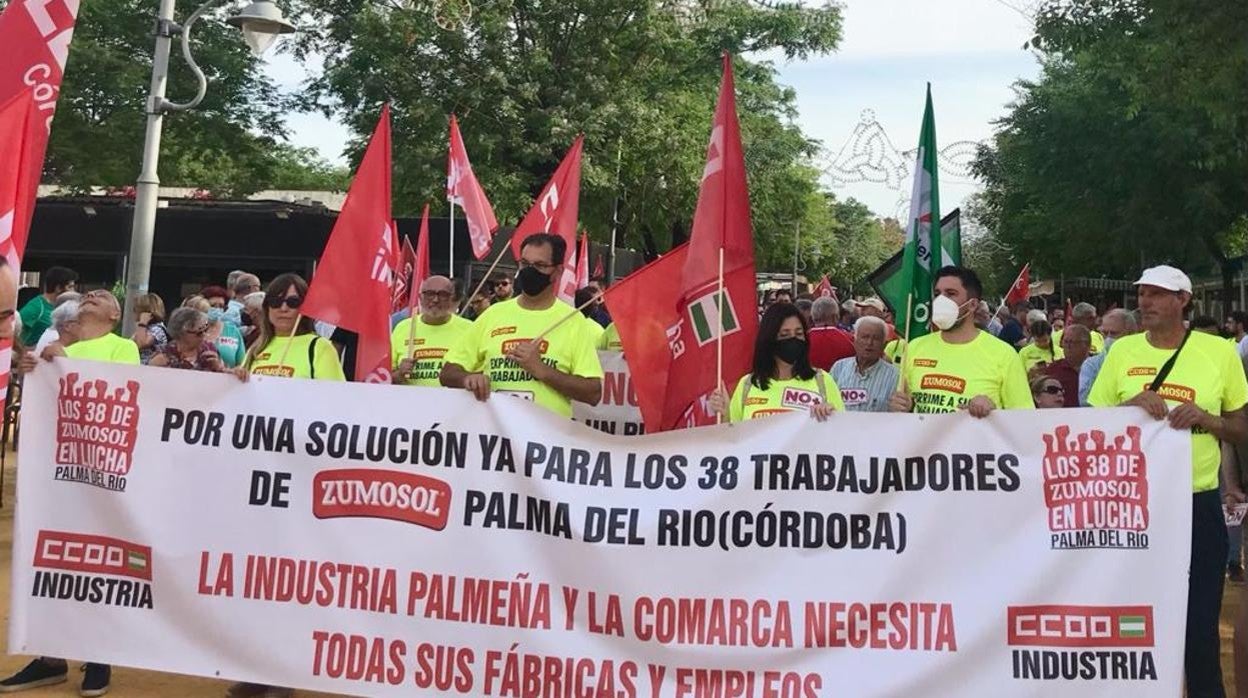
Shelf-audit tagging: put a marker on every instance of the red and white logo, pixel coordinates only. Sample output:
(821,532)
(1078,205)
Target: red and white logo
(96,428)
(77,552)
(1093,484)
(381,494)
(1080,626)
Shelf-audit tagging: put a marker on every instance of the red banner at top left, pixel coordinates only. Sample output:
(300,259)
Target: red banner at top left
(35,35)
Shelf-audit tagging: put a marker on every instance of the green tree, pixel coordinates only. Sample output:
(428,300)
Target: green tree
(1132,146)
(231,144)
(638,77)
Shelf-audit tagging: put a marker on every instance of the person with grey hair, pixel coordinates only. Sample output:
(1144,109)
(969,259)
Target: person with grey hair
(1116,323)
(1084,314)
(240,284)
(828,343)
(865,380)
(803,306)
(68,318)
(253,308)
(187,348)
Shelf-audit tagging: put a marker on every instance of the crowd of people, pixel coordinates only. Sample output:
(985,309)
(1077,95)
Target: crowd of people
(515,337)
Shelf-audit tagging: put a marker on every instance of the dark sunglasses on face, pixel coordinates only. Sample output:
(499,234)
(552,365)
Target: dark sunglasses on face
(1053,390)
(291,302)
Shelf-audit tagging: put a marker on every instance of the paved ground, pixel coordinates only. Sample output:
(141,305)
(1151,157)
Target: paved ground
(143,684)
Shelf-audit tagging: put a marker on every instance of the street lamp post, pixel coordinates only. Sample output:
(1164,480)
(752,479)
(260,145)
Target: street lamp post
(261,23)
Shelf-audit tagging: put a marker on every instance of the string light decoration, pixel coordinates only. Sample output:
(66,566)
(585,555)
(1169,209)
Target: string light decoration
(452,15)
(690,13)
(870,156)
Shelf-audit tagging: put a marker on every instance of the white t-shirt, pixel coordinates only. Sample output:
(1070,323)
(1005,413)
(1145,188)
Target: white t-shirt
(49,335)
(1243,347)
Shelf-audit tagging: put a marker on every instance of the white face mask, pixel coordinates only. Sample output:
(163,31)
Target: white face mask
(945,313)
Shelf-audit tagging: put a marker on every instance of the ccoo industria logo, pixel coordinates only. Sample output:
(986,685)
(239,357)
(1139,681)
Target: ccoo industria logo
(1082,643)
(96,430)
(92,569)
(1096,489)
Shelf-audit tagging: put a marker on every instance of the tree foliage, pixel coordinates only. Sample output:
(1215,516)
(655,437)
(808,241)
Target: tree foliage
(1132,146)
(231,144)
(638,77)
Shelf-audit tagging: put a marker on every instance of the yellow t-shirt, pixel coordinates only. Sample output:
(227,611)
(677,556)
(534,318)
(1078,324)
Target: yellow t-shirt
(569,348)
(1033,354)
(782,396)
(942,377)
(610,339)
(110,348)
(1098,341)
(431,342)
(594,330)
(268,361)
(1208,372)
(894,349)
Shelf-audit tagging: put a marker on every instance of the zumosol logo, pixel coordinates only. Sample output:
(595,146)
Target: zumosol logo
(381,494)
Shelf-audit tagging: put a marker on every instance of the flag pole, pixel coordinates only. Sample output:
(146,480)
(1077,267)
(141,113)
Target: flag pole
(286,350)
(475,291)
(719,333)
(905,348)
(576,311)
(451,260)
(615,209)
(411,328)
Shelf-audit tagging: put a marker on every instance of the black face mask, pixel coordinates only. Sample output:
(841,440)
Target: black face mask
(790,350)
(532,282)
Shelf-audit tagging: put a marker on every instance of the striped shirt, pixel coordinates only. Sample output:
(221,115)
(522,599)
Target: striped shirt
(865,392)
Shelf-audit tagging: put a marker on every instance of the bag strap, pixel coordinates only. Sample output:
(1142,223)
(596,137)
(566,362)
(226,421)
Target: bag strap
(312,356)
(1166,367)
(749,383)
(823,386)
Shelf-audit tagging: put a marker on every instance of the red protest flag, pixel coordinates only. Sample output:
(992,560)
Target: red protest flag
(463,190)
(35,37)
(582,263)
(420,262)
(825,289)
(351,288)
(556,208)
(405,267)
(721,226)
(19,126)
(1021,290)
(643,307)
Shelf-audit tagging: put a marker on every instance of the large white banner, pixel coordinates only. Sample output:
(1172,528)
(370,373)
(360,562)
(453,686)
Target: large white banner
(398,541)
(617,412)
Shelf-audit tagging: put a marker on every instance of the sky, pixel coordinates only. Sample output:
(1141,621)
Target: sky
(970,50)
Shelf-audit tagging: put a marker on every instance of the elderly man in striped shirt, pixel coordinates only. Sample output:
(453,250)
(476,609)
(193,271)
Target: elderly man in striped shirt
(865,379)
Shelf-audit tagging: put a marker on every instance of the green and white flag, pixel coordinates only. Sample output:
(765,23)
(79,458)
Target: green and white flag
(886,279)
(951,239)
(919,264)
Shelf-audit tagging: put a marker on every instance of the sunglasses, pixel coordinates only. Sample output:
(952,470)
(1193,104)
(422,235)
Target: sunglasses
(1053,390)
(198,331)
(436,295)
(291,302)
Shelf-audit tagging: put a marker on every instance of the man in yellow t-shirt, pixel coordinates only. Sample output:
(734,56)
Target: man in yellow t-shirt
(610,339)
(419,346)
(961,367)
(502,351)
(98,313)
(1204,391)
(1084,314)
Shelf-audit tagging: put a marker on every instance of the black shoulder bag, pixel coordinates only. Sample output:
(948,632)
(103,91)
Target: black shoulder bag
(1166,367)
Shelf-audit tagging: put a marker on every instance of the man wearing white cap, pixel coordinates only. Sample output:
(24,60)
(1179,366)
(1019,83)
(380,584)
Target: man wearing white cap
(1194,381)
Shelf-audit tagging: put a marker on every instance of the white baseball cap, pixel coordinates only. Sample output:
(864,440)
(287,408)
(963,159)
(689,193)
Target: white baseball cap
(872,302)
(1167,277)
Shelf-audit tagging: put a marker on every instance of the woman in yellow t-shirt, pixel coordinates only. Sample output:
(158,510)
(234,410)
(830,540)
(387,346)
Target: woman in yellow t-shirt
(782,379)
(283,349)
